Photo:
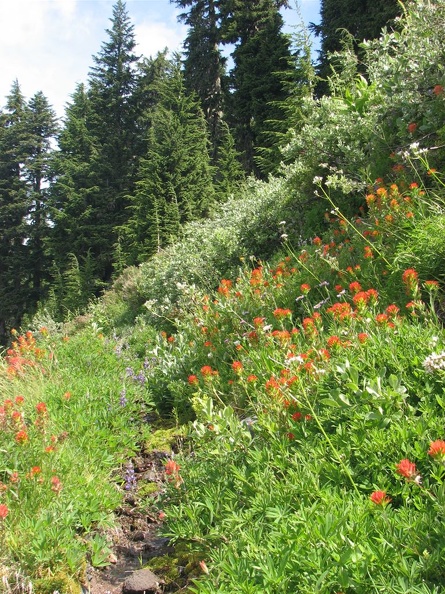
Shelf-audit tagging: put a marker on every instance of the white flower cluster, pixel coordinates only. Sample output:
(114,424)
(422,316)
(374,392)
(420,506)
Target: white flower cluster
(434,362)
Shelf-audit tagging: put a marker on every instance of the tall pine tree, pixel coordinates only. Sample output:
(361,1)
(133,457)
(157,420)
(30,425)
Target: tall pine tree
(14,208)
(362,19)
(41,128)
(75,195)
(27,133)
(262,59)
(113,83)
(175,180)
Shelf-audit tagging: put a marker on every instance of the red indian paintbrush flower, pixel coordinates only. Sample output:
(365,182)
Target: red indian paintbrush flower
(437,449)
(408,469)
(379,498)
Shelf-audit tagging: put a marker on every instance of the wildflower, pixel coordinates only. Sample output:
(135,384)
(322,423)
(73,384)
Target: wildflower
(408,470)
(67,396)
(162,515)
(56,484)
(372,296)
(392,311)
(193,380)
(379,498)
(256,277)
(305,288)
(3,511)
(381,319)
(317,241)
(355,287)
(258,321)
(410,279)
(360,299)
(130,478)
(280,312)
(14,478)
(172,468)
(41,408)
(412,127)
(431,285)
(434,362)
(252,378)
(123,397)
(368,253)
(207,371)
(237,366)
(438,90)
(290,436)
(203,566)
(8,404)
(19,400)
(437,449)
(333,342)
(362,337)
(21,436)
(35,470)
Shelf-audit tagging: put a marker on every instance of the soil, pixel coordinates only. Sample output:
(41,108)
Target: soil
(135,540)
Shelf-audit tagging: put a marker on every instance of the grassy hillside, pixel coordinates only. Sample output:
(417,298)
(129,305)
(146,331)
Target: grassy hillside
(296,337)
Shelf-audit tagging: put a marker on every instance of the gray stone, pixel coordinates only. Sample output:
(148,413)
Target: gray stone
(142,581)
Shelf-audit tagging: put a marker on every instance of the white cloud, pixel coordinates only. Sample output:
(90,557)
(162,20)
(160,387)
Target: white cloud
(153,37)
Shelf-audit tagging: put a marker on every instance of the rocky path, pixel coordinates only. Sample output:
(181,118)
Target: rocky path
(135,540)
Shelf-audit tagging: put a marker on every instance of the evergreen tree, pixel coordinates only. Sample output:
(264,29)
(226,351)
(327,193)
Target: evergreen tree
(204,66)
(14,208)
(175,179)
(75,196)
(261,66)
(27,131)
(113,84)
(40,130)
(362,19)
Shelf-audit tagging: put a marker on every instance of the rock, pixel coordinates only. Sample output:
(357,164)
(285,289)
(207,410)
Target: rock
(142,581)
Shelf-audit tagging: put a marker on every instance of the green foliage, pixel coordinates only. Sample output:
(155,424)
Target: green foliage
(175,181)
(361,20)
(70,410)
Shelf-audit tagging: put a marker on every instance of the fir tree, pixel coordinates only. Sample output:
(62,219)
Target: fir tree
(261,64)
(175,179)
(75,195)
(14,208)
(41,128)
(204,66)
(113,84)
(362,19)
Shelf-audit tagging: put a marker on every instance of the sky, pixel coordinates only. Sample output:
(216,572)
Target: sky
(47,45)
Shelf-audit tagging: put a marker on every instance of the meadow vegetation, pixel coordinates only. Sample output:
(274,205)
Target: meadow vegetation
(296,336)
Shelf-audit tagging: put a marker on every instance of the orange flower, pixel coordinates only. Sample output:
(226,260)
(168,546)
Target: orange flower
(41,408)
(379,498)
(56,484)
(21,437)
(279,312)
(412,127)
(193,380)
(237,366)
(438,90)
(252,378)
(3,511)
(408,470)
(437,449)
